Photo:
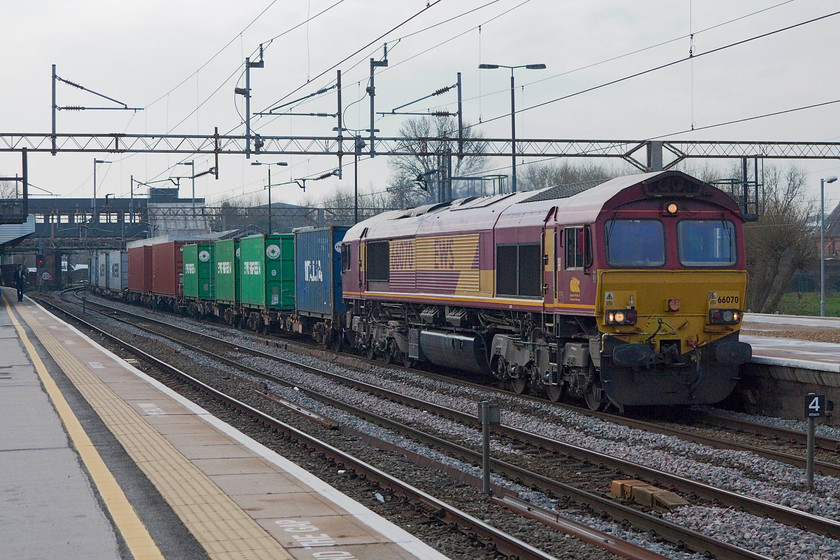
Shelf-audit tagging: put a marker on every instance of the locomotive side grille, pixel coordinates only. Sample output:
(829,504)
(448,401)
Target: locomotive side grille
(448,264)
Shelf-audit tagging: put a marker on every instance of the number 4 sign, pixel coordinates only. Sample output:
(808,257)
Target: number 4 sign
(814,406)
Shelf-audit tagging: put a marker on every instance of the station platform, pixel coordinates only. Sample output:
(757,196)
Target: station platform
(783,371)
(100,461)
(788,352)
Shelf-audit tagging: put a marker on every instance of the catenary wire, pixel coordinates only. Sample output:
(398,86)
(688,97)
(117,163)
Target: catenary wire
(661,67)
(429,5)
(220,51)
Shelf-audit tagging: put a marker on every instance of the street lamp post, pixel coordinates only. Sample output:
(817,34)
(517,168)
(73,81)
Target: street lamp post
(93,206)
(822,241)
(512,111)
(269,185)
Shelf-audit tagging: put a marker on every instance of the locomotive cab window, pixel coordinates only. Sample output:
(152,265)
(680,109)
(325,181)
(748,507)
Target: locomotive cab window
(578,252)
(378,264)
(518,270)
(707,243)
(636,243)
(345,257)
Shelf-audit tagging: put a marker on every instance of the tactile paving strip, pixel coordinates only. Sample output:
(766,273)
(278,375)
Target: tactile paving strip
(216,521)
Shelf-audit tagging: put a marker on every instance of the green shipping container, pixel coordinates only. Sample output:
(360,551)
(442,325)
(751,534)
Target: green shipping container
(267,271)
(226,271)
(198,271)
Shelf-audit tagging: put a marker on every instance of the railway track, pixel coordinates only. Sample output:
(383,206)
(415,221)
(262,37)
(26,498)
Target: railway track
(435,508)
(772,433)
(605,507)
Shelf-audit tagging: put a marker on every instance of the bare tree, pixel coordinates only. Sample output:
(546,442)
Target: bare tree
(538,176)
(8,190)
(780,243)
(414,182)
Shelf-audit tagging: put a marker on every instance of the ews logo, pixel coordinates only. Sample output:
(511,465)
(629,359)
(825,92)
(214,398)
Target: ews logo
(444,254)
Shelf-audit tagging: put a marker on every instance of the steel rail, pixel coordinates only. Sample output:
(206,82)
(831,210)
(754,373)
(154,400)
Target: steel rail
(824,468)
(782,514)
(505,543)
(669,531)
(797,436)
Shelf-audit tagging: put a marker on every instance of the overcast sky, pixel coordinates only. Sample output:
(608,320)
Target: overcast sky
(180,61)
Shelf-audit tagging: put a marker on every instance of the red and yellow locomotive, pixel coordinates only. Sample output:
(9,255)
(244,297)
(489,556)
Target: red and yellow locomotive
(627,293)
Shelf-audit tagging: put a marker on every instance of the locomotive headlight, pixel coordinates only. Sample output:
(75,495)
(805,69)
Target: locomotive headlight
(621,317)
(724,316)
(671,208)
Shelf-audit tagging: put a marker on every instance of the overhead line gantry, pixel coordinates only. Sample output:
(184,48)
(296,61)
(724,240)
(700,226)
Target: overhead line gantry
(646,155)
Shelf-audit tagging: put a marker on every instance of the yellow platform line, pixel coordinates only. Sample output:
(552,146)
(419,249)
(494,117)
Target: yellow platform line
(224,530)
(136,536)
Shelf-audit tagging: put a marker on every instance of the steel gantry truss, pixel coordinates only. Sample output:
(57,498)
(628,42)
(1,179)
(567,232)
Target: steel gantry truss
(647,155)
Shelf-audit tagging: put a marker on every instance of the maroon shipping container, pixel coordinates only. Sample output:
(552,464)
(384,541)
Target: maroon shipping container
(140,269)
(168,268)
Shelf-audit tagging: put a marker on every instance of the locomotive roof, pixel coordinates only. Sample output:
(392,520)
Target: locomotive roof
(580,204)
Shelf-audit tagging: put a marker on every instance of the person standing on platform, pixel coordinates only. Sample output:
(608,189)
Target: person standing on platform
(20,281)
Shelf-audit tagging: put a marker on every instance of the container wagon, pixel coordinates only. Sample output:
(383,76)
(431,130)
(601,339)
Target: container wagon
(266,281)
(167,266)
(199,287)
(93,272)
(319,307)
(226,280)
(117,272)
(140,273)
(102,270)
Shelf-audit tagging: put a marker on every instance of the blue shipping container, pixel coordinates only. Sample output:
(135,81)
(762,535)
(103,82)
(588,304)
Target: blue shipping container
(318,271)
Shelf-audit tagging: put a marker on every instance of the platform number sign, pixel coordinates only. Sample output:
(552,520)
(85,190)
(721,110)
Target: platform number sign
(814,406)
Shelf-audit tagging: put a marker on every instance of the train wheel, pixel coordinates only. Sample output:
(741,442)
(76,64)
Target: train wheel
(596,399)
(408,362)
(391,352)
(370,352)
(554,392)
(519,385)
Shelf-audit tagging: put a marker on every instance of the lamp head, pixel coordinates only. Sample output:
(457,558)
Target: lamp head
(830,179)
(535,66)
(488,66)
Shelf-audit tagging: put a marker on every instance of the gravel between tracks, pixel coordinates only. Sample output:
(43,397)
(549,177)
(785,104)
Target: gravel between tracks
(739,471)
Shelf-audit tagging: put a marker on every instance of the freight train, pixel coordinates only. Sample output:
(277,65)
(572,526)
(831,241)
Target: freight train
(629,293)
